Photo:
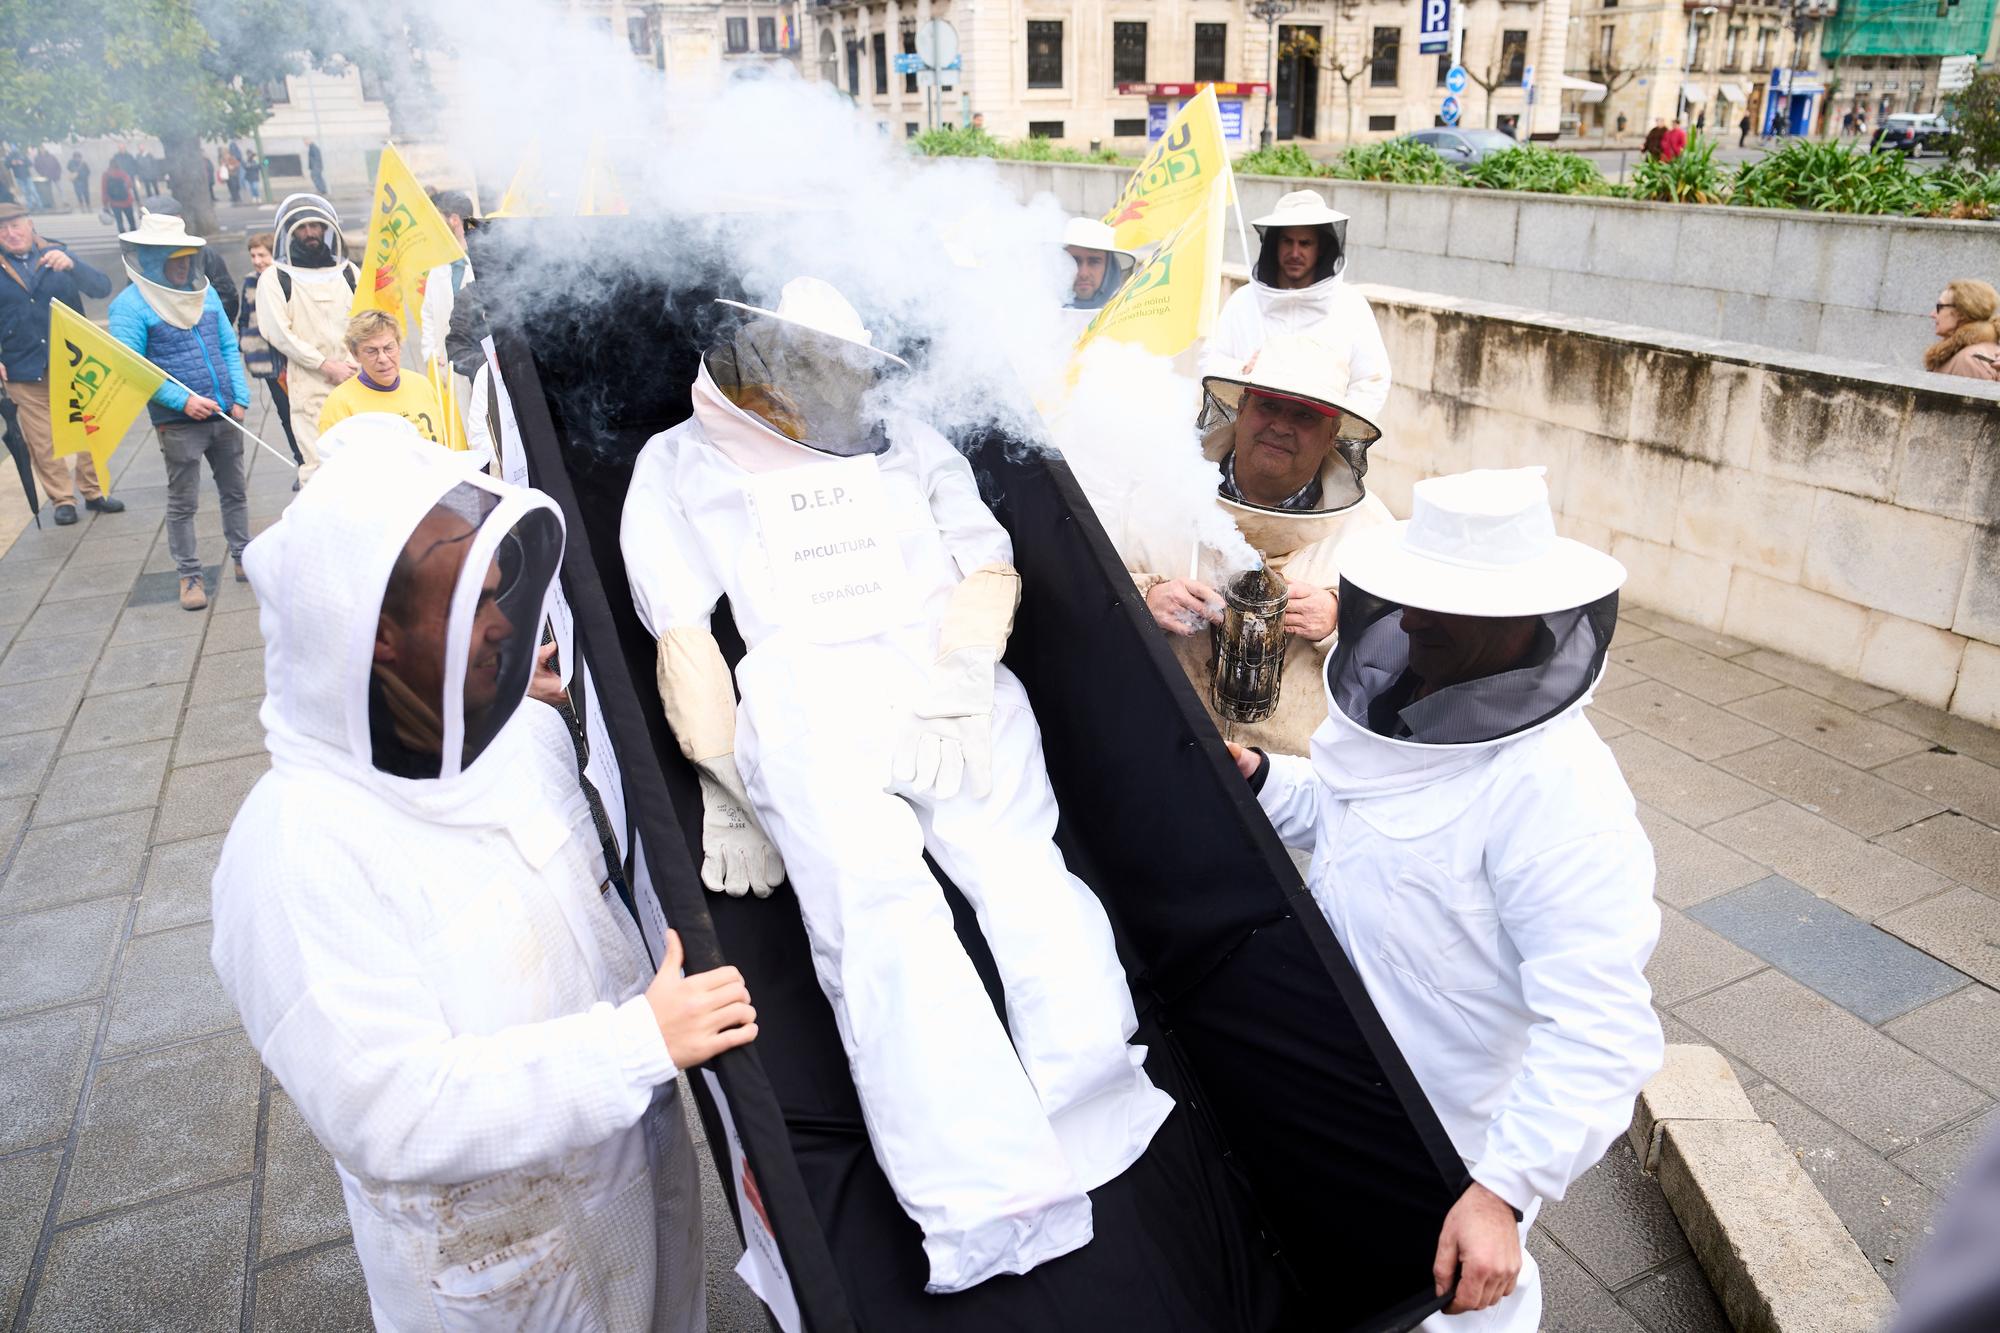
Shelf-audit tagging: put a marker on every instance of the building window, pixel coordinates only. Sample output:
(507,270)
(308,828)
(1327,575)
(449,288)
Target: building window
(910,129)
(881,42)
(1211,46)
(767,34)
(283,164)
(1045,56)
(1732,49)
(1381,122)
(854,67)
(1607,43)
(1129,129)
(1698,54)
(736,35)
(1128,53)
(910,49)
(278,92)
(1382,64)
(1045,129)
(1764,36)
(639,35)
(371,85)
(1444,66)
(1513,56)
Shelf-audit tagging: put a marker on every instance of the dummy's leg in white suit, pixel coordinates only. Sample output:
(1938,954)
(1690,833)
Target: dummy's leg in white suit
(956,1125)
(1068,1007)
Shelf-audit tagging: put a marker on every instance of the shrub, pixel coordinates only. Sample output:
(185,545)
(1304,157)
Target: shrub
(1536,170)
(1975,115)
(1951,192)
(1286,159)
(1692,178)
(956,141)
(1829,178)
(1398,162)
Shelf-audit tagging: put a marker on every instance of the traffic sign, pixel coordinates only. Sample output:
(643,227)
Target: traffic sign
(1449,111)
(1456,80)
(909,64)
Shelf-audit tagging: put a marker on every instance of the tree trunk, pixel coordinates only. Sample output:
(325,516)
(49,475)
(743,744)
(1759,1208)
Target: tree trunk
(188,179)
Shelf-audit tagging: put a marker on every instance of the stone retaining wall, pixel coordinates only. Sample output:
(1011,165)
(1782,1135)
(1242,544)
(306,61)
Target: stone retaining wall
(1839,513)
(1838,286)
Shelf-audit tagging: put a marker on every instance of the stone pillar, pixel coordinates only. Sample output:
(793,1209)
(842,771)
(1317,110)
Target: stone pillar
(892,35)
(839,46)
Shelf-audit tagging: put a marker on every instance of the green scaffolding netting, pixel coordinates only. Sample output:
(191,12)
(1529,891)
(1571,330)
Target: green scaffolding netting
(1906,28)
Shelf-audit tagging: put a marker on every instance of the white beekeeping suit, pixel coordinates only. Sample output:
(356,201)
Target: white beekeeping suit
(1326,308)
(410,917)
(1474,845)
(874,592)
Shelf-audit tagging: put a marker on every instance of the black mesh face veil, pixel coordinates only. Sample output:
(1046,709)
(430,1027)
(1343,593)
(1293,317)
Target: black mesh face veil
(1369,679)
(1340,476)
(485,634)
(812,388)
(1332,254)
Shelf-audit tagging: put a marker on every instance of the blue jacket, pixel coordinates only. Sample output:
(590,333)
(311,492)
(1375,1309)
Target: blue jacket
(204,358)
(25,293)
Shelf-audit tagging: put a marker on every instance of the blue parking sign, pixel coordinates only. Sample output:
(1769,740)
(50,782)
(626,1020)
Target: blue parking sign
(1434,26)
(1449,111)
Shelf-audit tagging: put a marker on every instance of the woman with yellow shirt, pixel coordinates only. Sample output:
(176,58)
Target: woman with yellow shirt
(381,385)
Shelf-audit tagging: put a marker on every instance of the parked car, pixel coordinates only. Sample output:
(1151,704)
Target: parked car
(1462,148)
(1911,135)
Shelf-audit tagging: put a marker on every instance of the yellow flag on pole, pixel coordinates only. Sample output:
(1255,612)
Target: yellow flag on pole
(451,430)
(601,196)
(407,238)
(1174,180)
(1171,301)
(97,388)
(525,197)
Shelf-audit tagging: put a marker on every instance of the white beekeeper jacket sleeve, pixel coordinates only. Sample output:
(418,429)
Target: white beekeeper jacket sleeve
(676,593)
(343,1015)
(1582,917)
(1290,798)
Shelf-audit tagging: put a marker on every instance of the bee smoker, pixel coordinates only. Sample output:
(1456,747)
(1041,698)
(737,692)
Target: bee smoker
(1249,646)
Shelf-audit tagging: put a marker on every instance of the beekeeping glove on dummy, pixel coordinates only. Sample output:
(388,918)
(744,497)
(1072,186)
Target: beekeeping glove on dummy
(736,857)
(946,744)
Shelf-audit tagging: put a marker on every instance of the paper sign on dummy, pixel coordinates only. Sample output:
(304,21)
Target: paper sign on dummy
(836,568)
(762,1268)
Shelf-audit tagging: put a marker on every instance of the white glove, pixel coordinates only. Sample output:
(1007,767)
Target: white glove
(947,741)
(736,857)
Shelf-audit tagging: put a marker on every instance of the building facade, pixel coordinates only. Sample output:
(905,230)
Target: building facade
(1336,70)
(1706,63)
(1882,56)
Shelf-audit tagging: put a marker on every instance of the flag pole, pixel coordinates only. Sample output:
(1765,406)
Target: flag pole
(221,412)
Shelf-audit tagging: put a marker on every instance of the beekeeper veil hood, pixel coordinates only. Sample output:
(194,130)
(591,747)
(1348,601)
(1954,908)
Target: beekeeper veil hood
(163,259)
(1301,208)
(402,597)
(297,251)
(1472,621)
(809,369)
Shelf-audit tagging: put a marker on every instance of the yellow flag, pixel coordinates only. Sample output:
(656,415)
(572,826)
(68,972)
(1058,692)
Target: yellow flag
(525,197)
(97,387)
(1172,300)
(601,196)
(1174,180)
(451,430)
(407,238)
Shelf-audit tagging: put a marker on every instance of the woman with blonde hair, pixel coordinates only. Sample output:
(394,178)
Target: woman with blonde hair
(1968,343)
(375,341)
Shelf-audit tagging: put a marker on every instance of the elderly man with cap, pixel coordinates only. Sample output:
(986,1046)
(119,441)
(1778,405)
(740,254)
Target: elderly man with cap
(413,917)
(39,271)
(1478,853)
(305,318)
(172,316)
(1293,453)
(874,593)
(1299,285)
(1101,266)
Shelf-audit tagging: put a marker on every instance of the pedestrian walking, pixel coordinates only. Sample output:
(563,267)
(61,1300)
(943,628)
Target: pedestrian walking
(375,345)
(22,168)
(150,172)
(1743,130)
(120,193)
(260,359)
(1655,140)
(535,1077)
(316,167)
(253,174)
(48,178)
(208,175)
(1968,343)
(172,317)
(1473,837)
(37,273)
(305,319)
(1674,142)
(1700,122)
(79,174)
(232,174)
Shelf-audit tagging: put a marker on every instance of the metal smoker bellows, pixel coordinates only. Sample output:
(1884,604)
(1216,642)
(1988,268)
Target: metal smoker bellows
(1250,646)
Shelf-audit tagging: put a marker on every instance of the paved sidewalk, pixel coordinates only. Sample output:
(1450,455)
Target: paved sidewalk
(1829,875)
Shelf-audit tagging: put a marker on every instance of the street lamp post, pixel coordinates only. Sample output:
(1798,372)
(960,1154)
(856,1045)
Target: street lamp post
(1270,11)
(1697,23)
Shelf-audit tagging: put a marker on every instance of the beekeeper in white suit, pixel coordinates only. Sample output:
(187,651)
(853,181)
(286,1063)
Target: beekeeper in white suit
(1476,850)
(874,592)
(1299,285)
(411,917)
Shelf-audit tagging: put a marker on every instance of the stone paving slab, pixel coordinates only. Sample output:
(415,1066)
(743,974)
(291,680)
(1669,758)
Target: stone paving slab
(90,858)
(1676,1300)
(109,720)
(26,1182)
(1824,786)
(1954,780)
(166,991)
(1829,728)
(1692,960)
(1690,868)
(1689,669)
(59,956)
(1941,728)
(1938,1160)
(176,891)
(1816,680)
(1953,845)
(33,706)
(1961,927)
(1683,721)
(1858,876)
(1961,1032)
(132,666)
(303,1205)
(319,1292)
(1863,970)
(43,1059)
(101,782)
(1680,786)
(191,1280)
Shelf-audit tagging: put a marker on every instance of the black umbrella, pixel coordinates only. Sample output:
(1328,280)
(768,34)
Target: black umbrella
(17,445)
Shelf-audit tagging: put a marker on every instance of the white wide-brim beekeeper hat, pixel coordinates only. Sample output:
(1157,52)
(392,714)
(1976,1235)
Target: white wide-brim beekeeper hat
(1090,234)
(817,307)
(1301,368)
(162,229)
(1301,208)
(1480,543)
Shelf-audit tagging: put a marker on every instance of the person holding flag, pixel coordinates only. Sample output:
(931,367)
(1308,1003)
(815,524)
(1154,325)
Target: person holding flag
(172,317)
(305,319)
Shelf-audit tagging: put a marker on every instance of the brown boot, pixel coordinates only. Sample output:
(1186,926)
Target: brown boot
(193,598)
(241,577)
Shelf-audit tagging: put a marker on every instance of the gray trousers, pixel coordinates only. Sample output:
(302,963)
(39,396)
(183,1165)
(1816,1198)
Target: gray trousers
(185,443)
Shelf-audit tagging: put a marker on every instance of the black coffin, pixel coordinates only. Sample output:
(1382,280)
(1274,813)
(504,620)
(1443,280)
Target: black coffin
(1301,1181)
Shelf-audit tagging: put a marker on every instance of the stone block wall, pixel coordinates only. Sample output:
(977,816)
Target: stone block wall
(1843,514)
(1854,287)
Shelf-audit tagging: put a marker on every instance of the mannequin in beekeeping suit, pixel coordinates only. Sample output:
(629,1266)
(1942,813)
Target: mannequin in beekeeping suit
(411,918)
(875,592)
